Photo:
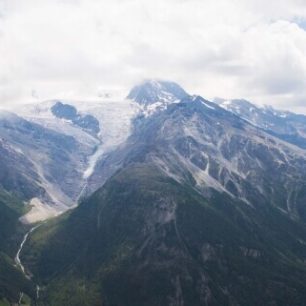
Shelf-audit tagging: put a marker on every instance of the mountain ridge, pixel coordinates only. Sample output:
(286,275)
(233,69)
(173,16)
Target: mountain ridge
(186,204)
(197,207)
(285,125)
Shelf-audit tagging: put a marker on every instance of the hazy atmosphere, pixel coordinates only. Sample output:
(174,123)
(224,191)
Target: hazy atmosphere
(250,49)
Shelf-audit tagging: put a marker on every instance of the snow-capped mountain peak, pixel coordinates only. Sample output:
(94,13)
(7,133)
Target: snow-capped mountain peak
(153,95)
(153,91)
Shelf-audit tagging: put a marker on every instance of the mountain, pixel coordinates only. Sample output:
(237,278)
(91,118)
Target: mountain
(50,149)
(145,239)
(198,142)
(154,95)
(153,91)
(283,124)
(197,207)
(60,142)
(40,165)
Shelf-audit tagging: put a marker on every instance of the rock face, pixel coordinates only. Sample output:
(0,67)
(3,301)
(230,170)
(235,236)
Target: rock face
(197,207)
(87,122)
(38,162)
(17,173)
(65,111)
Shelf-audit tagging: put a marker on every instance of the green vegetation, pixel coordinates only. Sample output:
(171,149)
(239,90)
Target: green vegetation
(144,239)
(4,302)
(10,200)
(12,281)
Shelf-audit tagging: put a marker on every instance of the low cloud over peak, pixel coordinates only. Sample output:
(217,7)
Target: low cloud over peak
(251,49)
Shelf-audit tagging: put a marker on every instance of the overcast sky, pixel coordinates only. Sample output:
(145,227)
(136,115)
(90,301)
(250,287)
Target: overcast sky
(253,49)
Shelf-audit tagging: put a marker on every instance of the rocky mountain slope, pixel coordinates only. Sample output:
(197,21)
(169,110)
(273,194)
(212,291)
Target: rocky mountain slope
(50,149)
(198,207)
(200,143)
(39,163)
(286,125)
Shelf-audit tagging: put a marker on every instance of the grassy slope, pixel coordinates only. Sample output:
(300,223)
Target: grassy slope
(12,280)
(143,239)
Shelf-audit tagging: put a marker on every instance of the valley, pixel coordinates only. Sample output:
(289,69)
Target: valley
(20,265)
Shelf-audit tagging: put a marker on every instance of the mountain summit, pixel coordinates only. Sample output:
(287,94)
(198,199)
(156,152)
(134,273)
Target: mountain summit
(183,202)
(153,91)
(197,207)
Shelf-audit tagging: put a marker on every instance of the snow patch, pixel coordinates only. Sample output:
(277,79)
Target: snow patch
(207,105)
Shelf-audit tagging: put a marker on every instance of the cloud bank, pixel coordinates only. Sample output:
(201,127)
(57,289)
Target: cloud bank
(76,48)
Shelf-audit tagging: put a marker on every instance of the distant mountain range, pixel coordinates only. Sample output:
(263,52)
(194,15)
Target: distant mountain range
(283,124)
(182,201)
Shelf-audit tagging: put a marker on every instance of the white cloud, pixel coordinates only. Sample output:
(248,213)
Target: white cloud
(71,48)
